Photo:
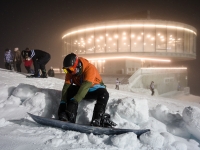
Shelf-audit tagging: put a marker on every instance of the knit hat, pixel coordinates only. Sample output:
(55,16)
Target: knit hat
(16,49)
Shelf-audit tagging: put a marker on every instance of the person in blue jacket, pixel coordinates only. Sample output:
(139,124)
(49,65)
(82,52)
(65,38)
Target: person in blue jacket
(8,59)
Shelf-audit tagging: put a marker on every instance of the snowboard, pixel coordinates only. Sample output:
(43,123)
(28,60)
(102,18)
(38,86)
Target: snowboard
(84,128)
(29,76)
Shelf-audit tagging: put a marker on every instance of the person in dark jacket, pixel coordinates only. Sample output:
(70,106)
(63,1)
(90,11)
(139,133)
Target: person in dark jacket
(83,81)
(51,72)
(40,59)
(17,59)
(152,88)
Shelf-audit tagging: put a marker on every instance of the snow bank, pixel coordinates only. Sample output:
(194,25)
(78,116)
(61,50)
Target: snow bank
(128,112)
(174,122)
(122,142)
(191,116)
(20,95)
(19,91)
(152,138)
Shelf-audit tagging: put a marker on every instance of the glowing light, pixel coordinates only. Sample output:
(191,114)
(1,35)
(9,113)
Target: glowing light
(116,36)
(128,57)
(127,26)
(183,68)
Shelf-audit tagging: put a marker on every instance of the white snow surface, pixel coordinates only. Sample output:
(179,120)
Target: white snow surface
(174,118)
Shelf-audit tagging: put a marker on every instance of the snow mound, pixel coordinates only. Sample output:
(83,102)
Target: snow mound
(122,142)
(3,122)
(19,91)
(152,138)
(130,110)
(191,116)
(174,122)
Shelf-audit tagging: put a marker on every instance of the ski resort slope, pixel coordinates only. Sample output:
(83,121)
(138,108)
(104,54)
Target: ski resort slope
(174,119)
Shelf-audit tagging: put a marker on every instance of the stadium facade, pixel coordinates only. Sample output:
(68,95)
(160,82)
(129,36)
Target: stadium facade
(124,46)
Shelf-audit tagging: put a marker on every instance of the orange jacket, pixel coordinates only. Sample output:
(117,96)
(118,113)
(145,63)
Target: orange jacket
(89,73)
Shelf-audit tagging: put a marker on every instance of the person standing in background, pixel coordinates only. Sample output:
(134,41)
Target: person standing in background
(152,88)
(117,84)
(51,72)
(17,59)
(8,59)
(27,62)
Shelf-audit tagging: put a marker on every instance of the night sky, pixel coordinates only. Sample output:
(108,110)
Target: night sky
(39,24)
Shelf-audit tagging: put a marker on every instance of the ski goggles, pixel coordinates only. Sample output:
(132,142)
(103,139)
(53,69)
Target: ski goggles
(69,69)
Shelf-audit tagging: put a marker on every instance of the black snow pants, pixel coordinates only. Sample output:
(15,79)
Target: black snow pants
(100,95)
(40,63)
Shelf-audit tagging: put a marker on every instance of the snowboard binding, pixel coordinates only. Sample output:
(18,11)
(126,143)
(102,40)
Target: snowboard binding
(103,121)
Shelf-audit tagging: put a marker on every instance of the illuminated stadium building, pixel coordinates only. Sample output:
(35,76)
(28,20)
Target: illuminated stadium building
(122,47)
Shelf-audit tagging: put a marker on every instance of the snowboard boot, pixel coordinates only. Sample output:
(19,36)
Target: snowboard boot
(106,122)
(71,111)
(100,118)
(61,112)
(99,110)
(44,74)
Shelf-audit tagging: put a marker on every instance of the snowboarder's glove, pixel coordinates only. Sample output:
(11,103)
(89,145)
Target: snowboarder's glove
(72,99)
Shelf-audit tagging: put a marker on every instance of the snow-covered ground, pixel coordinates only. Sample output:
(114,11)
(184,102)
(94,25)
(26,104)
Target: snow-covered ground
(174,118)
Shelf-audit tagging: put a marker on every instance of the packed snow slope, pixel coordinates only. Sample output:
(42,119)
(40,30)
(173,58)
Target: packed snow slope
(174,121)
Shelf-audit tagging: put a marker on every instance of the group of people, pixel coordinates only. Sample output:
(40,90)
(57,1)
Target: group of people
(36,57)
(82,81)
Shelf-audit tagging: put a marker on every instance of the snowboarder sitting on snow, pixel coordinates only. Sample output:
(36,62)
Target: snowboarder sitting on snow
(83,81)
(152,88)
(40,59)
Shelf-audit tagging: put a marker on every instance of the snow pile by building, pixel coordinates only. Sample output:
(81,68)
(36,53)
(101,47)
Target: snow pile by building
(170,129)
